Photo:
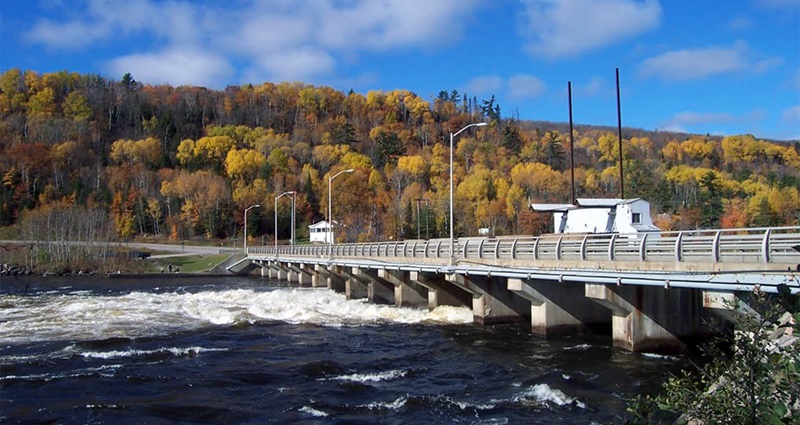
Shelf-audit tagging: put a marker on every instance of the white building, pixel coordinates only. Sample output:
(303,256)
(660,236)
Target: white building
(597,215)
(320,232)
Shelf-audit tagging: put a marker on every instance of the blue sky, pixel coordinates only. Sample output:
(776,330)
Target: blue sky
(701,66)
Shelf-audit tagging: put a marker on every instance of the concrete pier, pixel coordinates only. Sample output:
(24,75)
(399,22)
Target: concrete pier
(651,318)
(560,309)
(407,293)
(492,302)
(379,291)
(440,291)
(355,286)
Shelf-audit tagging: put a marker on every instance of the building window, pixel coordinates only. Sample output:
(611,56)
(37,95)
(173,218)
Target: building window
(637,218)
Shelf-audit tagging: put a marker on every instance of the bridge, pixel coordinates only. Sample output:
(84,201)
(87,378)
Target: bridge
(654,291)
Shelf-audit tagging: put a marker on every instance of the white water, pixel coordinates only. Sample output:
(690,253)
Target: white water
(83,316)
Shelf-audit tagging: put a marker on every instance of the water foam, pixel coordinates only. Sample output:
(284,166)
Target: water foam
(56,317)
(372,377)
(542,393)
(178,352)
(313,412)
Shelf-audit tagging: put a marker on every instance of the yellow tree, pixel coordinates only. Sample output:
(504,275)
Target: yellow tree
(244,164)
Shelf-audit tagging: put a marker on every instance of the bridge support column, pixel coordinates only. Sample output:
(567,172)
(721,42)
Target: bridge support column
(319,279)
(299,275)
(559,309)
(649,318)
(274,271)
(283,272)
(492,302)
(335,279)
(440,291)
(406,292)
(355,287)
(307,274)
(379,291)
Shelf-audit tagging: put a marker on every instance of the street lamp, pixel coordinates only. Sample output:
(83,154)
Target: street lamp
(290,193)
(330,214)
(452,136)
(245,224)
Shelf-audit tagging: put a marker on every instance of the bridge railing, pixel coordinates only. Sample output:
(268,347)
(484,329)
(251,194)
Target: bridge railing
(752,246)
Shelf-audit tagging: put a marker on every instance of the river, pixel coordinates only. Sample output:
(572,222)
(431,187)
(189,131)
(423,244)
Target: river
(246,350)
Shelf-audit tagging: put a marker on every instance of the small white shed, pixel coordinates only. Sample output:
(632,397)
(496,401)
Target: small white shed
(320,232)
(600,215)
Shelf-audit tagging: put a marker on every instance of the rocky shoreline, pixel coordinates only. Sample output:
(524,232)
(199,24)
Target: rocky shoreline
(15,270)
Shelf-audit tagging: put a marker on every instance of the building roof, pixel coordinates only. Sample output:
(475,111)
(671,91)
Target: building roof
(584,203)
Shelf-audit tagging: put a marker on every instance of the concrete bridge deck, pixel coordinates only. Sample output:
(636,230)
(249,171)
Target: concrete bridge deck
(654,290)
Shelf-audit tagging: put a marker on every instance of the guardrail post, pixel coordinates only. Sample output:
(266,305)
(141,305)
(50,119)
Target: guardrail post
(497,249)
(427,242)
(679,247)
(715,247)
(480,248)
(439,249)
(414,250)
(536,249)
(514,249)
(466,249)
(643,248)
(583,247)
(611,253)
(765,246)
(558,248)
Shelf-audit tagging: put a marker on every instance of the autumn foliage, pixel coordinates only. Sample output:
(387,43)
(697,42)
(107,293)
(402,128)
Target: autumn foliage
(183,162)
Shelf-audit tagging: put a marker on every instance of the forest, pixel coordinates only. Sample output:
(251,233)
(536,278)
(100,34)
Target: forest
(107,159)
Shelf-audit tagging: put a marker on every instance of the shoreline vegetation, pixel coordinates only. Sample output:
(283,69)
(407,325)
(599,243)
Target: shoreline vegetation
(48,259)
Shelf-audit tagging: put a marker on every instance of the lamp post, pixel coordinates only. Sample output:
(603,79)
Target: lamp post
(245,224)
(452,136)
(330,205)
(290,193)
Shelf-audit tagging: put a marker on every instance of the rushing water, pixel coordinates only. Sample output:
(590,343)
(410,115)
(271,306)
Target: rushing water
(246,350)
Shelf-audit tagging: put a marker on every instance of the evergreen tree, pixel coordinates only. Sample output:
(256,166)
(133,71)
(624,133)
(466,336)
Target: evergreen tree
(387,148)
(511,139)
(710,200)
(409,224)
(555,151)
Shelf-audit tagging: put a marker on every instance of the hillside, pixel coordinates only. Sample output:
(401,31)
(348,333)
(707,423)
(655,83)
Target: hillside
(184,162)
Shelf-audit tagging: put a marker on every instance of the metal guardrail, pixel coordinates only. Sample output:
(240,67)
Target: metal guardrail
(746,246)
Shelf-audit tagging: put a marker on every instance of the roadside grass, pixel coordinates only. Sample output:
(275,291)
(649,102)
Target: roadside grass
(186,264)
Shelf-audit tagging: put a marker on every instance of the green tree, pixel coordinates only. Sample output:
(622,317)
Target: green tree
(409,223)
(387,148)
(554,150)
(511,139)
(752,378)
(710,200)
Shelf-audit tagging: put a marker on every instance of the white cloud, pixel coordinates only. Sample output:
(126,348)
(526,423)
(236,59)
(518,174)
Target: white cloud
(688,118)
(595,87)
(524,87)
(689,121)
(791,115)
(564,28)
(381,25)
(485,85)
(740,23)
(174,67)
(271,39)
(517,87)
(692,64)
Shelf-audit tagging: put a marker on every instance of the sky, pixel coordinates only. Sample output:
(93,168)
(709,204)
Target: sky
(720,67)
